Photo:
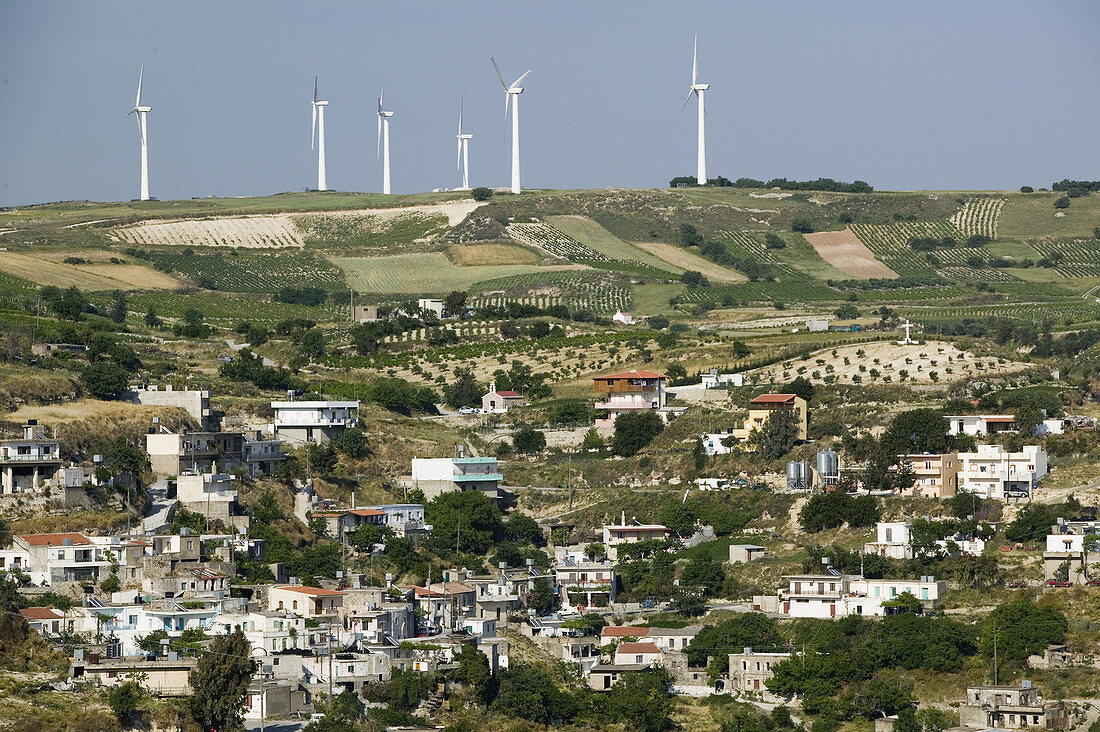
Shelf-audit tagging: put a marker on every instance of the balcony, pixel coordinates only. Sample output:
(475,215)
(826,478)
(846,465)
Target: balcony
(478,477)
(616,406)
(306,421)
(31,458)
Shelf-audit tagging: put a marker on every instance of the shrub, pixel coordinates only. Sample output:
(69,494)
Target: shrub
(1062,202)
(802,225)
(481,193)
(104,380)
(635,431)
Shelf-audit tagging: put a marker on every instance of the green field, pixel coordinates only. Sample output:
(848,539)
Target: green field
(1033,215)
(430,273)
(594,236)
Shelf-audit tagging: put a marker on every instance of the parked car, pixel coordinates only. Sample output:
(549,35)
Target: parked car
(1059,583)
(468,410)
(1093,583)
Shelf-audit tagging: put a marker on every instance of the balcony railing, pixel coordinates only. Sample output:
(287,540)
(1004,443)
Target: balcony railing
(39,458)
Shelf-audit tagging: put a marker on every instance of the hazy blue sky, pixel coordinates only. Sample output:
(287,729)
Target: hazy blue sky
(904,95)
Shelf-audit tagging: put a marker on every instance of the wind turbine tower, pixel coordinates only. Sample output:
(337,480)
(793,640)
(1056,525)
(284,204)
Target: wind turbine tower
(141,113)
(384,142)
(463,152)
(511,94)
(697,88)
(318,136)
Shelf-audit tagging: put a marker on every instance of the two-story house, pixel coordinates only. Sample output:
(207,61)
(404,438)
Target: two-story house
(27,461)
(435,476)
(1010,707)
(309,602)
(67,557)
(994,472)
(629,392)
(313,421)
(937,476)
(763,406)
(616,535)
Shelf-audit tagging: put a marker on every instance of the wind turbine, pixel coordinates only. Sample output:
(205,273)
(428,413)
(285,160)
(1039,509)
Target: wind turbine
(318,136)
(384,142)
(697,89)
(141,113)
(463,151)
(512,90)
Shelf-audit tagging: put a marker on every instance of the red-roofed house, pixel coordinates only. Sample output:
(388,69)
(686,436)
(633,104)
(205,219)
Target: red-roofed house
(69,557)
(761,407)
(499,401)
(46,620)
(623,631)
(401,517)
(629,391)
(644,652)
(309,602)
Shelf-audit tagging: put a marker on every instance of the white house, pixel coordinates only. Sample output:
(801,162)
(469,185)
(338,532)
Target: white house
(714,443)
(839,595)
(979,424)
(313,421)
(630,391)
(500,401)
(892,540)
(714,379)
(433,305)
(434,476)
(310,602)
(993,472)
(624,533)
(622,318)
(27,461)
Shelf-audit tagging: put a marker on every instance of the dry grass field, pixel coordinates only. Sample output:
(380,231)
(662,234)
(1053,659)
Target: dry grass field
(466,255)
(846,252)
(681,259)
(425,273)
(91,277)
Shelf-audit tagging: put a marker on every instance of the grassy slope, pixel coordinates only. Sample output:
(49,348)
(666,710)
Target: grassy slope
(424,273)
(596,237)
(1032,215)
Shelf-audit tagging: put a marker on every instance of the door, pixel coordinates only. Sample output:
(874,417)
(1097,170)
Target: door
(832,610)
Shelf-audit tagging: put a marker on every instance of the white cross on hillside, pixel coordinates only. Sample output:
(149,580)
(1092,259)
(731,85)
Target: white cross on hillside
(907,327)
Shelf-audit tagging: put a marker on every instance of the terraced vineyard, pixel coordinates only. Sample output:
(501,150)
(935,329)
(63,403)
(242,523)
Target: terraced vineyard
(890,243)
(743,244)
(973,274)
(1030,312)
(243,231)
(978,216)
(803,290)
(546,237)
(260,273)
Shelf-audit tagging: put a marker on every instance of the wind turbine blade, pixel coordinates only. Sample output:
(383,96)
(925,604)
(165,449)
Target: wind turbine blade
(517,81)
(458,160)
(460,103)
(313,134)
(141,73)
(694,60)
(378,151)
(507,99)
(380,95)
(686,101)
(315,87)
(503,81)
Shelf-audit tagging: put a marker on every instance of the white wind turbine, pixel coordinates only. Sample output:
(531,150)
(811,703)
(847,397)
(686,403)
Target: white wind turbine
(697,89)
(512,90)
(463,151)
(141,113)
(318,135)
(384,142)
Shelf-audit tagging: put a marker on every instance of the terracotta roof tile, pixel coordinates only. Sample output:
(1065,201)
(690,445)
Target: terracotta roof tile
(774,399)
(637,648)
(41,613)
(635,374)
(54,539)
(619,631)
(316,591)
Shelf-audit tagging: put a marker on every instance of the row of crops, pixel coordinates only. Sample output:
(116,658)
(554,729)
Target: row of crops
(259,273)
(374,231)
(1074,257)
(974,274)
(1036,313)
(784,291)
(978,216)
(599,292)
(890,243)
(742,245)
(546,237)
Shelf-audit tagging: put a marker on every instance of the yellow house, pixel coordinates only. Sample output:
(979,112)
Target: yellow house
(764,405)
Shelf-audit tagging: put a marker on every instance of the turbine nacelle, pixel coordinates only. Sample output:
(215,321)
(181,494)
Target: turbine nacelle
(700,87)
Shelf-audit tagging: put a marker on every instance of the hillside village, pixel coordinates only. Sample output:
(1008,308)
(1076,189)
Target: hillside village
(650,460)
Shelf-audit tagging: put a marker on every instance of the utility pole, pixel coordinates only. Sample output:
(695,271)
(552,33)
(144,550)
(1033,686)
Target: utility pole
(996,678)
(328,630)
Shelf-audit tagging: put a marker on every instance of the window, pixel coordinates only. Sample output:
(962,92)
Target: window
(295,605)
(638,658)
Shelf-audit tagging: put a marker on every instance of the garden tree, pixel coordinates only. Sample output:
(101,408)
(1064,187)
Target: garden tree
(802,387)
(906,602)
(541,597)
(698,454)
(463,391)
(151,318)
(1021,628)
(408,688)
(220,681)
(69,304)
(905,476)
(642,700)
(352,442)
(590,624)
(193,325)
(119,306)
(717,641)
(704,573)
(528,692)
(124,700)
(529,440)
(455,304)
(311,343)
(1027,417)
(571,412)
(319,459)
(481,193)
(883,696)
(677,516)
(675,373)
(473,669)
(524,529)
(847,311)
(104,380)
(634,431)
(830,510)
(469,518)
(365,536)
(592,440)
(777,436)
(916,431)
(1032,523)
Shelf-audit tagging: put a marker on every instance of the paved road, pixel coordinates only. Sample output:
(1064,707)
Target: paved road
(160,506)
